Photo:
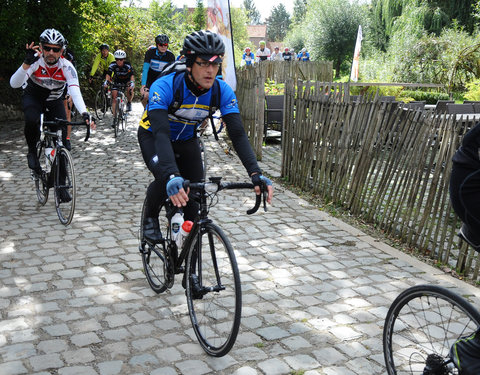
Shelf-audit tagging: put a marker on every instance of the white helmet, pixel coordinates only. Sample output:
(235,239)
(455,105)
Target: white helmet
(120,54)
(52,36)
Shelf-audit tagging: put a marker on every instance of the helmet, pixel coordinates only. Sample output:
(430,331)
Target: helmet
(119,54)
(247,49)
(104,46)
(286,49)
(52,36)
(161,39)
(203,42)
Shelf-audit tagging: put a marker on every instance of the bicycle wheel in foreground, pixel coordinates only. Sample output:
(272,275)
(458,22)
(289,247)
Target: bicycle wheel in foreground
(64,186)
(41,185)
(213,290)
(154,257)
(421,325)
(100,104)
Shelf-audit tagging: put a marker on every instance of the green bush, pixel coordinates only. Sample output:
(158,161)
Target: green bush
(473,90)
(428,97)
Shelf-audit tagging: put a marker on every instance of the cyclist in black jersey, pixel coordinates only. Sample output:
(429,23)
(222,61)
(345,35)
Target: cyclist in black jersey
(123,76)
(168,142)
(44,75)
(155,60)
(465,186)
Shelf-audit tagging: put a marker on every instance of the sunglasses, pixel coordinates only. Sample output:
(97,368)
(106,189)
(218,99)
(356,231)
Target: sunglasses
(119,59)
(162,44)
(54,49)
(205,64)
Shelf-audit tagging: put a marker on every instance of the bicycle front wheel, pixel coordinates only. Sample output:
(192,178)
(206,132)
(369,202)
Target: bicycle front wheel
(100,104)
(64,186)
(421,326)
(41,180)
(154,258)
(213,290)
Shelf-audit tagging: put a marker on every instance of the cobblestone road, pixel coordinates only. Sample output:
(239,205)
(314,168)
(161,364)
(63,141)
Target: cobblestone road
(74,300)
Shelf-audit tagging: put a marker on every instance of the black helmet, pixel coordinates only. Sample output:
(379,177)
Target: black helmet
(52,36)
(104,46)
(203,42)
(161,39)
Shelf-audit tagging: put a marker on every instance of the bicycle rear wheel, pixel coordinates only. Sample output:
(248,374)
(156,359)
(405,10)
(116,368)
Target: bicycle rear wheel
(100,104)
(213,290)
(154,258)
(421,326)
(41,180)
(64,186)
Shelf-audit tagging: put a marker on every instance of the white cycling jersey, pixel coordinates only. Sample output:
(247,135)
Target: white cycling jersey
(42,76)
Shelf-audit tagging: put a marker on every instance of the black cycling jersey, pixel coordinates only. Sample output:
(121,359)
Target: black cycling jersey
(121,74)
(156,62)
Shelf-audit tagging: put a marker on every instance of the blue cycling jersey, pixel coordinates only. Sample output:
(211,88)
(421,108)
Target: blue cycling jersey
(193,109)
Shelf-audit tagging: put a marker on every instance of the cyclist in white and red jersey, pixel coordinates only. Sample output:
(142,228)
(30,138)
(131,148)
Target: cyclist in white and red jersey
(43,76)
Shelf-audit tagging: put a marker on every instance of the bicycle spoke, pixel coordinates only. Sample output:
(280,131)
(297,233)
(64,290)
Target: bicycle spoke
(213,291)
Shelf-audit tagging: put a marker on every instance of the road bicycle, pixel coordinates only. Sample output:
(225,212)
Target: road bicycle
(120,115)
(56,168)
(210,273)
(421,326)
(103,101)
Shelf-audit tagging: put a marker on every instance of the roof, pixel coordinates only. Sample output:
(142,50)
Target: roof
(257,31)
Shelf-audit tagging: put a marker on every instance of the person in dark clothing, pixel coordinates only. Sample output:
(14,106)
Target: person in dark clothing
(465,186)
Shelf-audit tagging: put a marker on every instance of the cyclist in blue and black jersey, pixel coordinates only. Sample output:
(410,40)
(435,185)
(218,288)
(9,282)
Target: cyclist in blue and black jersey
(168,141)
(155,60)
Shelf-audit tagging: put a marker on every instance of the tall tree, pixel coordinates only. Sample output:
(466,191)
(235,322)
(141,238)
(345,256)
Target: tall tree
(299,11)
(435,16)
(278,23)
(252,12)
(199,16)
(332,30)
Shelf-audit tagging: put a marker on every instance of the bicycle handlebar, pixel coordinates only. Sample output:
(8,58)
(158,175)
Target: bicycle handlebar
(59,121)
(201,186)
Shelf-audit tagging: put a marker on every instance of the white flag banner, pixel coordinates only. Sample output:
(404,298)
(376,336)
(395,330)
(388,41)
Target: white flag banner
(356,55)
(218,21)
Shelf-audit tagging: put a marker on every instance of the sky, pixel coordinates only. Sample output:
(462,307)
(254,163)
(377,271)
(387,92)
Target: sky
(263,6)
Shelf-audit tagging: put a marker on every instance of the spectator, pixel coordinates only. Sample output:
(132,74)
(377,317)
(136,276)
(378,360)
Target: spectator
(248,57)
(287,55)
(263,53)
(276,55)
(303,55)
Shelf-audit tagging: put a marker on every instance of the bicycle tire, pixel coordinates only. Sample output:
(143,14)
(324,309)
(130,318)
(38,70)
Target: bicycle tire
(41,180)
(116,118)
(63,167)
(121,115)
(421,325)
(153,256)
(215,315)
(100,104)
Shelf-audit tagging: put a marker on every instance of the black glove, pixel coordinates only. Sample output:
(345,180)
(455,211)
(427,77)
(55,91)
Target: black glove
(256,181)
(86,116)
(30,56)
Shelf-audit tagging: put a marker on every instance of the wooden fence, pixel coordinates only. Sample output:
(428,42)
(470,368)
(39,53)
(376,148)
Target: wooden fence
(386,165)
(251,90)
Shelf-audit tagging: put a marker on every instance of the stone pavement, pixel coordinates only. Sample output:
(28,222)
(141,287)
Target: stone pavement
(74,300)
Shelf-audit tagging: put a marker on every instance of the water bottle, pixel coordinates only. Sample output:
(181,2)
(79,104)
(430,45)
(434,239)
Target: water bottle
(49,153)
(177,221)
(184,231)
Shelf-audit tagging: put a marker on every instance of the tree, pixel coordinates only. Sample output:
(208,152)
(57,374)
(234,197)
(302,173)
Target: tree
(299,11)
(331,27)
(252,12)
(239,21)
(278,23)
(199,16)
(435,16)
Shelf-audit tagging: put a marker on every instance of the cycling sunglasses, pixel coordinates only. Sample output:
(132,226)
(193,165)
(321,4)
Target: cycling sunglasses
(54,49)
(162,44)
(119,59)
